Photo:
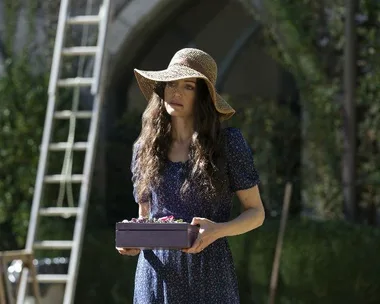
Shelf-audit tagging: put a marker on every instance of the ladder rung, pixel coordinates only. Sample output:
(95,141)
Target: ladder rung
(80,50)
(67,114)
(51,278)
(59,211)
(53,245)
(62,146)
(57,178)
(75,82)
(83,20)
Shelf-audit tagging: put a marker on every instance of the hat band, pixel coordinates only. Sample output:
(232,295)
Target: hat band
(192,64)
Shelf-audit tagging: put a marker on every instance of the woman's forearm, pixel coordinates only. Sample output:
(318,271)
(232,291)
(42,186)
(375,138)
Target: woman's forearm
(246,221)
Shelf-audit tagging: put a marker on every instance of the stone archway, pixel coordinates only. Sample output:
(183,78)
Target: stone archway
(133,27)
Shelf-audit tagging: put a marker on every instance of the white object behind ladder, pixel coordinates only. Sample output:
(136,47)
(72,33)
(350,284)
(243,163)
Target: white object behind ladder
(66,178)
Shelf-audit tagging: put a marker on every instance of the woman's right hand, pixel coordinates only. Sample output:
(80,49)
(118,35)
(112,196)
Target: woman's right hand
(128,251)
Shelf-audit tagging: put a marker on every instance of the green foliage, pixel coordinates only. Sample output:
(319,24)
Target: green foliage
(368,116)
(320,263)
(304,53)
(22,112)
(105,276)
(272,130)
(307,38)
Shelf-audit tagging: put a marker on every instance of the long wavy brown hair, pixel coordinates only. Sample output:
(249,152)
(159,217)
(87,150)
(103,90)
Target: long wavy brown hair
(154,142)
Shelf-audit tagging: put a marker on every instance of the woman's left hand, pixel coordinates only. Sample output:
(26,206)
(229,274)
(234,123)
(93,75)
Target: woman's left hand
(209,232)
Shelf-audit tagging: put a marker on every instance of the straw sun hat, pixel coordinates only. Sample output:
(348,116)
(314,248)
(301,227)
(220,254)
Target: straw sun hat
(187,63)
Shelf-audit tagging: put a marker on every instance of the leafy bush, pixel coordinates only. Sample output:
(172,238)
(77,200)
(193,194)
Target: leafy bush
(307,38)
(22,112)
(272,129)
(331,262)
(105,276)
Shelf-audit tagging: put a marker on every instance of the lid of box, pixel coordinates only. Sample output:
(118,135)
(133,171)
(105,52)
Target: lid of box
(157,226)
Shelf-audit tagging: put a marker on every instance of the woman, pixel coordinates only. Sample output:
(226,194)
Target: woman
(185,165)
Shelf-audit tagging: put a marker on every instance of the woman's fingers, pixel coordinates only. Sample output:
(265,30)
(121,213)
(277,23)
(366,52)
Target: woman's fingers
(197,247)
(197,221)
(128,251)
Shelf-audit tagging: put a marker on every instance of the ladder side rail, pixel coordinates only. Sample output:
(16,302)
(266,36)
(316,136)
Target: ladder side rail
(88,164)
(48,125)
(58,46)
(99,59)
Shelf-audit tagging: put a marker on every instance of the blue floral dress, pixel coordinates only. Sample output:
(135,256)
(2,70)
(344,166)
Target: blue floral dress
(172,276)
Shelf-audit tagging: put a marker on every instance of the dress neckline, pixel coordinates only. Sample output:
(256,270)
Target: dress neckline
(179,162)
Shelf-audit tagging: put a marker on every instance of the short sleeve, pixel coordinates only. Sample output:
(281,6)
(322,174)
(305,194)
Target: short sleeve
(242,172)
(135,176)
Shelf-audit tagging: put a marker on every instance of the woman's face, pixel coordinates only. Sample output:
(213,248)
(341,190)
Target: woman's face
(179,97)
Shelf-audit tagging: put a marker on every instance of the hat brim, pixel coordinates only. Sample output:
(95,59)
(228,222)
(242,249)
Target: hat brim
(147,81)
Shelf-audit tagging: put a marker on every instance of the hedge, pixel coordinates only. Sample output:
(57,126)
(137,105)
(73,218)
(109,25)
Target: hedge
(321,262)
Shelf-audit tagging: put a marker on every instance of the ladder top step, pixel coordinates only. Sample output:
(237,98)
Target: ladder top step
(75,82)
(84,20)
(80,50)
(62,146)
(67,114)
(53,245)
(51,278)
(57,178)
(59,211)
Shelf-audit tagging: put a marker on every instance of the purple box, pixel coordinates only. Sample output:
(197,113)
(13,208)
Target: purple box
(155,235)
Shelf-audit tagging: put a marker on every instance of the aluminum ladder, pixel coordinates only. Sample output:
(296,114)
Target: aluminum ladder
(65,179)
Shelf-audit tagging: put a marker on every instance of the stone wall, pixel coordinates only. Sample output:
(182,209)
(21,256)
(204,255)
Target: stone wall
(35,29)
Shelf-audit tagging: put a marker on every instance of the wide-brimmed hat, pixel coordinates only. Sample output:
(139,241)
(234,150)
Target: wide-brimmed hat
(187,63)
